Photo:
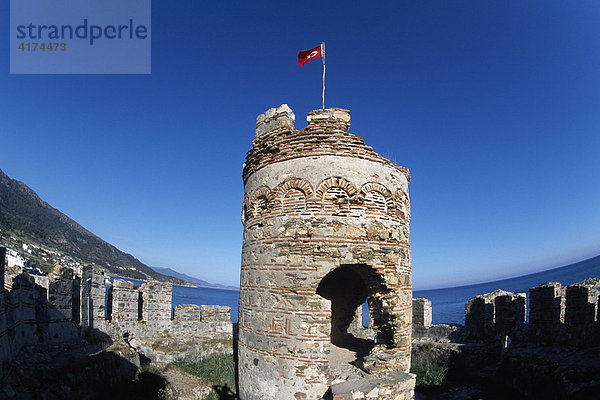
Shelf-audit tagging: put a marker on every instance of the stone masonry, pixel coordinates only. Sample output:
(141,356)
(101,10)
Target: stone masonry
(156,303)
(546,311)
(422,312)
(581,302)
(62,306)
(125,303)
(61,289)
(495,314)
(558,315)
(93,291)
(326,228)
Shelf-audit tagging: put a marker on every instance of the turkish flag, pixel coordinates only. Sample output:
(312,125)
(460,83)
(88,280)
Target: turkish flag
(306,55)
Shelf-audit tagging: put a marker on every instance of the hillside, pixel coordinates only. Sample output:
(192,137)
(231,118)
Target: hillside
(24,214)
(192,280)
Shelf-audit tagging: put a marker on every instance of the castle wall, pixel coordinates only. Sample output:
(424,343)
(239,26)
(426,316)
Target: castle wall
(510,312)
(422,312)
(125,303)
(156,303)
(60,310)
(2,266)
(479,316)
(5,346)
(546,311)
(93,292)
(558,315)
(325,228)
(581,311)
(58,307)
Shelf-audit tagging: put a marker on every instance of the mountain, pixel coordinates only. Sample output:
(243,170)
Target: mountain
(192,280)
(24,214)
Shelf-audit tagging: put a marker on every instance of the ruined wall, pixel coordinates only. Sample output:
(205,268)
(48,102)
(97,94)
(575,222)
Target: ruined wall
(558,315)
(62,287)
(581,303)
(326,227)
(59,307)
(93,293)
(2,266)
(156,303)
(546,311)
(422,312)
(493,314)
(125,303)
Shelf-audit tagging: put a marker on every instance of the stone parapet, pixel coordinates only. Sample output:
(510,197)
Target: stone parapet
(93,293)
(422,312)
(546,311)
(326,134)
(581,312)
(125,302)
(495,314)
(157,298)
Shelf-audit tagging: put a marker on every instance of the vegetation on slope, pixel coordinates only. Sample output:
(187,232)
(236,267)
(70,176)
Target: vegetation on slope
(23,213)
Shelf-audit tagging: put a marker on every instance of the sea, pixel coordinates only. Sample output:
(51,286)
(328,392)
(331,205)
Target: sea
(448,304)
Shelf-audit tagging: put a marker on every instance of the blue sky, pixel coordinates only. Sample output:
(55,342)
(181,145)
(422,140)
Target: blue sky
(493,106)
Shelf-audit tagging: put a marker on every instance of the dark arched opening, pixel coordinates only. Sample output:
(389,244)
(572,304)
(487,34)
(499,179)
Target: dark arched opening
(348,287)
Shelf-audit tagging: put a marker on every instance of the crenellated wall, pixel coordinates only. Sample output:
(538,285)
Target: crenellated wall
(422,312)
(558,315)
(62,306)
(156,303)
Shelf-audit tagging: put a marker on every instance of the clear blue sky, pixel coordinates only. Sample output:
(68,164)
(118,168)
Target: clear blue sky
(493,106)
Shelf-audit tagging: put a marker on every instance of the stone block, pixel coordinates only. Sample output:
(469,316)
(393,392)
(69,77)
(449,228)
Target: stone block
(422,312)
(125,302)
(546,311)
(156,303)
(93,295)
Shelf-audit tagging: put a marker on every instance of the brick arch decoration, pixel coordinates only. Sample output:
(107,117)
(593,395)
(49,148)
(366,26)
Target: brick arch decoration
(261,201)
(364,197)
(343,187)
(292,195)
(335,182)
(246,210)
(402,205)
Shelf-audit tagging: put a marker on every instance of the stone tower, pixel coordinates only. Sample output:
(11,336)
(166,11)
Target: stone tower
(326,229)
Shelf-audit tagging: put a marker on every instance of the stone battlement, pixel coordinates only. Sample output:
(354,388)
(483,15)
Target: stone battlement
(276,140)
(63,306)
(557,315)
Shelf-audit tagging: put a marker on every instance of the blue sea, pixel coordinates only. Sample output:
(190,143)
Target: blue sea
(448,303)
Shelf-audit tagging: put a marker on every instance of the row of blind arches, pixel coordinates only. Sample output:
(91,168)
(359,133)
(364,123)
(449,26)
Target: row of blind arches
(334,195)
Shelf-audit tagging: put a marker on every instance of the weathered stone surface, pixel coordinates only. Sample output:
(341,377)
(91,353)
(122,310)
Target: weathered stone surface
(61,286)
(92,295)
(422,312)
(325,228)
(581,302)
(495,314)
(157,298)
(546,311)
(125,303)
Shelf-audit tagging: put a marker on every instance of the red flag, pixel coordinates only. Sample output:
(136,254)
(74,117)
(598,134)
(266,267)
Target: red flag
(306,55)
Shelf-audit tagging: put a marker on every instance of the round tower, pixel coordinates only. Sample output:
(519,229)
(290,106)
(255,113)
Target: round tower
(326,230)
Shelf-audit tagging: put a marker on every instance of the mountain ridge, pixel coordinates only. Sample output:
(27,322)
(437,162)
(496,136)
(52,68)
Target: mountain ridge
(24,213)
(194,281)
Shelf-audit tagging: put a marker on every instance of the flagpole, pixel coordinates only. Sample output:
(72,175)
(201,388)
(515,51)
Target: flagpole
(323,53)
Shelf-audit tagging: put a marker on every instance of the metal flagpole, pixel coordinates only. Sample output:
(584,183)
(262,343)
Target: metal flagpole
(323,54)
